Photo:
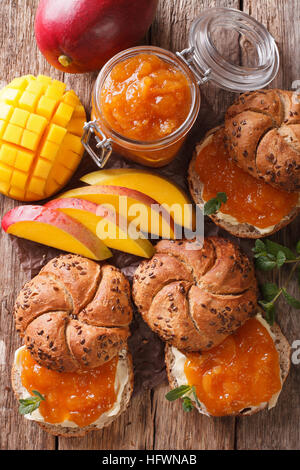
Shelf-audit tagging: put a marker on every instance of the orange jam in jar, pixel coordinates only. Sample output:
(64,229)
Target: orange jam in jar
(81,397)
(145,98)
(249,200)
(145,101)
(242,371)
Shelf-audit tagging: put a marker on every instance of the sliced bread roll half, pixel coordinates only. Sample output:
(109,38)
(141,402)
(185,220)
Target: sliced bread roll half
(175,361)
(123,389)
(227,221)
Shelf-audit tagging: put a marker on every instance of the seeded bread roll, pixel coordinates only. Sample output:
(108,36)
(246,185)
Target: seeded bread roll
(192,297)
(74,314)
(284,352)
(263,132)
(241,229)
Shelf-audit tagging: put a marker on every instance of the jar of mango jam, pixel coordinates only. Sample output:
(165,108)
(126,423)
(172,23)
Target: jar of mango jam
(146,99)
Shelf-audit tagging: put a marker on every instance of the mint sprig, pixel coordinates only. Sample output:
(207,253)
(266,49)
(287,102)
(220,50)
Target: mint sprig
(269,255)
(213,205)
(182,392)
(28,405)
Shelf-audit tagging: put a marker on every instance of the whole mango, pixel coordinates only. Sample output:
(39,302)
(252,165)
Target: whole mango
(40,130)
(79,36)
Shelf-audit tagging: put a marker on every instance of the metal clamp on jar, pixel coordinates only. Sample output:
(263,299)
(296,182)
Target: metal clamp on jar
(199,63)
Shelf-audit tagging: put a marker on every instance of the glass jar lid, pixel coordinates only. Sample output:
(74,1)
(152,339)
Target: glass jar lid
(217,25)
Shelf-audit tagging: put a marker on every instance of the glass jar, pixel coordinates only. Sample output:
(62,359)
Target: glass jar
(200,62)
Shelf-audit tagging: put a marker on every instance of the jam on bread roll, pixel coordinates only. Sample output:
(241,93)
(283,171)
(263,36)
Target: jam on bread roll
(74,314)
(241,376)
(253,208)
(192,297)
(74,402)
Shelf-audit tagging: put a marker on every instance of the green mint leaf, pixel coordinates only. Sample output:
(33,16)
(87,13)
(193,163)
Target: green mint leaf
(269,309)
(298,247)
(269,291)
(265,304)
(38,394)
(213,205)
(290,299)
(222,197)
(195,396)
(280,259)
(28,405)
(262,253)
(259,246)
(270,315)
(187,404)
(178,392)
(273,248)
(264,263)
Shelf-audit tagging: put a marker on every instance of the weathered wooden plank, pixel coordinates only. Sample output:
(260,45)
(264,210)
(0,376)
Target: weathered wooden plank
(18,56)
(176,429)
(281,18)
(279,428)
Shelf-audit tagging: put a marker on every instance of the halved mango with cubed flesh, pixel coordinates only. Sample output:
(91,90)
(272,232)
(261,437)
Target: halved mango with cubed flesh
(111,228)
(142,212)
(158,188)
(53,228)
(40,130)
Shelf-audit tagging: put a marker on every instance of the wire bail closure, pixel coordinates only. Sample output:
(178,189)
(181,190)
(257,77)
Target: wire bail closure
(105,145)
(187,55)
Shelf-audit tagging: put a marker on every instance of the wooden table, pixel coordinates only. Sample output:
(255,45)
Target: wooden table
(151,422)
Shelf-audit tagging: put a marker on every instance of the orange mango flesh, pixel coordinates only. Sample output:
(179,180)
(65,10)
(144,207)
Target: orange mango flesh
(40,129)
(50,235)
(53,228)
(81,397)
(154,186)
(242,371)
(145,98)
(134,208)
(249,200)
(111,233)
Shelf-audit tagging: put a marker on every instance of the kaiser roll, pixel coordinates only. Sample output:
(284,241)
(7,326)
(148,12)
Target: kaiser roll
(74,314)
(193,298)
(263,132)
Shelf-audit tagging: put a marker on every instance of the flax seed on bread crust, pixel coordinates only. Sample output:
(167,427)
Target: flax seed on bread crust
(263,132)
(195,298)
(74,314)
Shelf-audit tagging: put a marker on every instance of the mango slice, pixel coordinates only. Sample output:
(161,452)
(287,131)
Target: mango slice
(154,186)
(111,231)
(53,228)
(40,131)
(139,209)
